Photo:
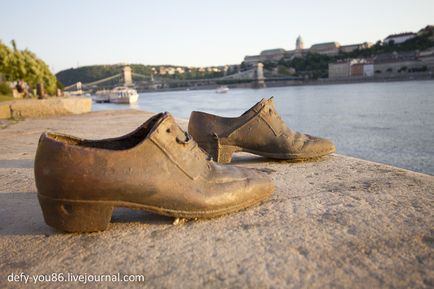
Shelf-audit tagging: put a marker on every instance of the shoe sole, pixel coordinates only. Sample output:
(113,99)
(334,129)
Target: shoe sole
(292,157)
(223,153)
(92,216)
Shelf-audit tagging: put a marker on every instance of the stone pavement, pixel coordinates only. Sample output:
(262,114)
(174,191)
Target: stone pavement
(339,222)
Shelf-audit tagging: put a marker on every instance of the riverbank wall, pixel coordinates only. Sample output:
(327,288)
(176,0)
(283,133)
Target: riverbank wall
(28,108)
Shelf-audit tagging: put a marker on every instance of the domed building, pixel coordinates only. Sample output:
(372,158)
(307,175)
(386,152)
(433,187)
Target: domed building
(299,44)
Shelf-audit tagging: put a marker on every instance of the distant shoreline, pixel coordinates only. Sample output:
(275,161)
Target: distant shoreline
(285,83)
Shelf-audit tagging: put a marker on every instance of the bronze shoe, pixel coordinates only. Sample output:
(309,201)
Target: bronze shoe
(259,130)
(158,168)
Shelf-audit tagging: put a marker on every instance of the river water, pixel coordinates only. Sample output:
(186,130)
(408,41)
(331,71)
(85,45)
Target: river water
(390,122)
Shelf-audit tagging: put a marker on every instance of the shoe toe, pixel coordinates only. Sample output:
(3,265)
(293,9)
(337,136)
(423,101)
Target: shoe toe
(317,147)
(241,187)
(257,186)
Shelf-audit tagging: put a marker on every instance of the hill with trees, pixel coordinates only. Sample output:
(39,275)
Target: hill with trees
(87,74)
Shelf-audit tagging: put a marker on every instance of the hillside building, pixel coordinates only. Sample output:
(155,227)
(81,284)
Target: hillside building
(399,38)
(427,58)
(272,54)
(368,69)
(252,59)
(339,70)
(388,64)
(327,48)
(352,47)
(351,68)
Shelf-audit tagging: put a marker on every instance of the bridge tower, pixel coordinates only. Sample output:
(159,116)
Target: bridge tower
(259,76)
(127,76)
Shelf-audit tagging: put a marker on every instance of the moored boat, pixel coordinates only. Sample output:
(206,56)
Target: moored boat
(222,89)
(102,96)
(120,94)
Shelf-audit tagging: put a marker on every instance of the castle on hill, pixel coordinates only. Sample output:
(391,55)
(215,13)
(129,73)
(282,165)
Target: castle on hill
(326,48)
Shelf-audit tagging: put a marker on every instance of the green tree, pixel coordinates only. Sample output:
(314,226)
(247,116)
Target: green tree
(25,65)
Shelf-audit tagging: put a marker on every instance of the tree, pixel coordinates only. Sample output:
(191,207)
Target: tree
(25,65)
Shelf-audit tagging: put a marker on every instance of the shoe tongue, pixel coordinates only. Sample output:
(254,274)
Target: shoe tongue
(259,105)
(178,146)
(166,123)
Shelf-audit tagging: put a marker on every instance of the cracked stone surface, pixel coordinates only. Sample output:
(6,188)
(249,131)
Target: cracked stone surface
(338,222)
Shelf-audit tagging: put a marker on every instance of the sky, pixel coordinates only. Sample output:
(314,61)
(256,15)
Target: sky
(67,33)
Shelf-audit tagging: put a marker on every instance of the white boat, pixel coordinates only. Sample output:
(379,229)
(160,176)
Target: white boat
(102,96)
(222,89)
(122,94)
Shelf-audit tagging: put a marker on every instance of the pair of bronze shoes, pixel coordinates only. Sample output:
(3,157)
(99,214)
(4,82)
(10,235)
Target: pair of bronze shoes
(162,169)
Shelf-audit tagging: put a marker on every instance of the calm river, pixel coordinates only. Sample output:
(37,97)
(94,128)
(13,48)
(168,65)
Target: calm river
(392,123)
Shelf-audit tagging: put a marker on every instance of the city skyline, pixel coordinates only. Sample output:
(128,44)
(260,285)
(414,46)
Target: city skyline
(191,33)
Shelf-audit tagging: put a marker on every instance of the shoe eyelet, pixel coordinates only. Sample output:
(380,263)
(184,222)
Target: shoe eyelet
(187,140)
(168,130)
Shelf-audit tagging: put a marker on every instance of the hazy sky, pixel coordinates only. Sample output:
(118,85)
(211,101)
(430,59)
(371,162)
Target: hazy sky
(67,33)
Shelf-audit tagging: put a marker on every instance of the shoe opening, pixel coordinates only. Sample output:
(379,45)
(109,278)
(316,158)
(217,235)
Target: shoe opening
(119,143)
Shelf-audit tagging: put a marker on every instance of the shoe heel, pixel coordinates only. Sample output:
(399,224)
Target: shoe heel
(75,216)
(225,153)
(211,148)
(219,153)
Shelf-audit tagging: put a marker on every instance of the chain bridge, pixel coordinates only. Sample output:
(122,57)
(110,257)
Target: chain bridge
(255,76)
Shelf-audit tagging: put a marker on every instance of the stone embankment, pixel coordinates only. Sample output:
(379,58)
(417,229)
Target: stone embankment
(339,222)
(35,108)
